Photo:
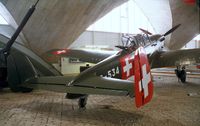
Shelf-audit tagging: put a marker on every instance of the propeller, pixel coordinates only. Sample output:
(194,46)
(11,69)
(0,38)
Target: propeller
(171,30)
(159,36)
(145,31)
(155,37)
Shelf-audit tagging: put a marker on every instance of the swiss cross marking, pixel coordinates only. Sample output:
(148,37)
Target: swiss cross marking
(128,67)
(145,81)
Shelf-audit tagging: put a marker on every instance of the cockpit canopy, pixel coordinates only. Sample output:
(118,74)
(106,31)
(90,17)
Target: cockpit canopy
(137,40)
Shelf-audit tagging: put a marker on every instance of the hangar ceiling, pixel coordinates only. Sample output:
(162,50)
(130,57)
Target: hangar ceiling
(57,23)
(163,14)
(188,15)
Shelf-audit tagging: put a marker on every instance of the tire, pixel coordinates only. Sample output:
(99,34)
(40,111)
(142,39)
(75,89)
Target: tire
(183,76)
(82,102)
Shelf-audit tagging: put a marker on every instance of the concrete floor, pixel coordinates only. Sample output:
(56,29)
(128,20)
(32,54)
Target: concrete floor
(170,106)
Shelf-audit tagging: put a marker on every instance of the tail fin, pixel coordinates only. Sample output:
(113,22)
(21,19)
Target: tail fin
(143,81)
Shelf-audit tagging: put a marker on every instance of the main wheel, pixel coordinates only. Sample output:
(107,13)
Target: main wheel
(82,102)
(183,76)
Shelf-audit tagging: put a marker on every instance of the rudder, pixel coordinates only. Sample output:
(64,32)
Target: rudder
(143,80)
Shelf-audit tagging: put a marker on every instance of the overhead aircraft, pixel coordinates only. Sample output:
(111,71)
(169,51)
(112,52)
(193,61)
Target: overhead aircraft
(158,54)
(125,73)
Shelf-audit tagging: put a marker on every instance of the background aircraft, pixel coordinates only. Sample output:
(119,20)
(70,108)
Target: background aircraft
(117,66)
(158,54)
(124,73)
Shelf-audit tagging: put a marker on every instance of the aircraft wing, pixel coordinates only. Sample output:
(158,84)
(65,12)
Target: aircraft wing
(174,58)
(91,56)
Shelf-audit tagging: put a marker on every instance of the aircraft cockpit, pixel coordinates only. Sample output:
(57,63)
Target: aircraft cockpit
(135,40)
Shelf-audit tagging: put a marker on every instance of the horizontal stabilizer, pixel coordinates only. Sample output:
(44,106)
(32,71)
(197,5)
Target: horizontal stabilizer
(101,85)
(52,83)
(91,90)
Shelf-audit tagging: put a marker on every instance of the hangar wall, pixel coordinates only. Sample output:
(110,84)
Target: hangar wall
(69,67)
(194,43)
(110,40)
(99,39)
(8,31)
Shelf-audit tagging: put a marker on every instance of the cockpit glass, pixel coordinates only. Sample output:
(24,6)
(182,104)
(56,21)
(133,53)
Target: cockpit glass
(135,40)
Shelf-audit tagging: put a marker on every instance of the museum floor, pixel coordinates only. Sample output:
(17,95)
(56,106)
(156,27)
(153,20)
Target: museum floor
(173,104)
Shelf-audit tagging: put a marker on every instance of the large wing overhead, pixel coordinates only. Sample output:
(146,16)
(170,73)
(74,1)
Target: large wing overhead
(91,56)
(174,58)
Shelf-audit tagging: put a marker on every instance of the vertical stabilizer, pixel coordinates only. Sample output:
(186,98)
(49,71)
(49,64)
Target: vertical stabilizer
(143,80)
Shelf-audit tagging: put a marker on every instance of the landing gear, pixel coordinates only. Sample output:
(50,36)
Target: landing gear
(181,74)
(14,86)
(3,77)
(82,102)
(82,99)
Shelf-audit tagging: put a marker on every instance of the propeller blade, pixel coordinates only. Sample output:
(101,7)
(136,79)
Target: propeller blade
(145,31)
(122,47)
(171,30)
